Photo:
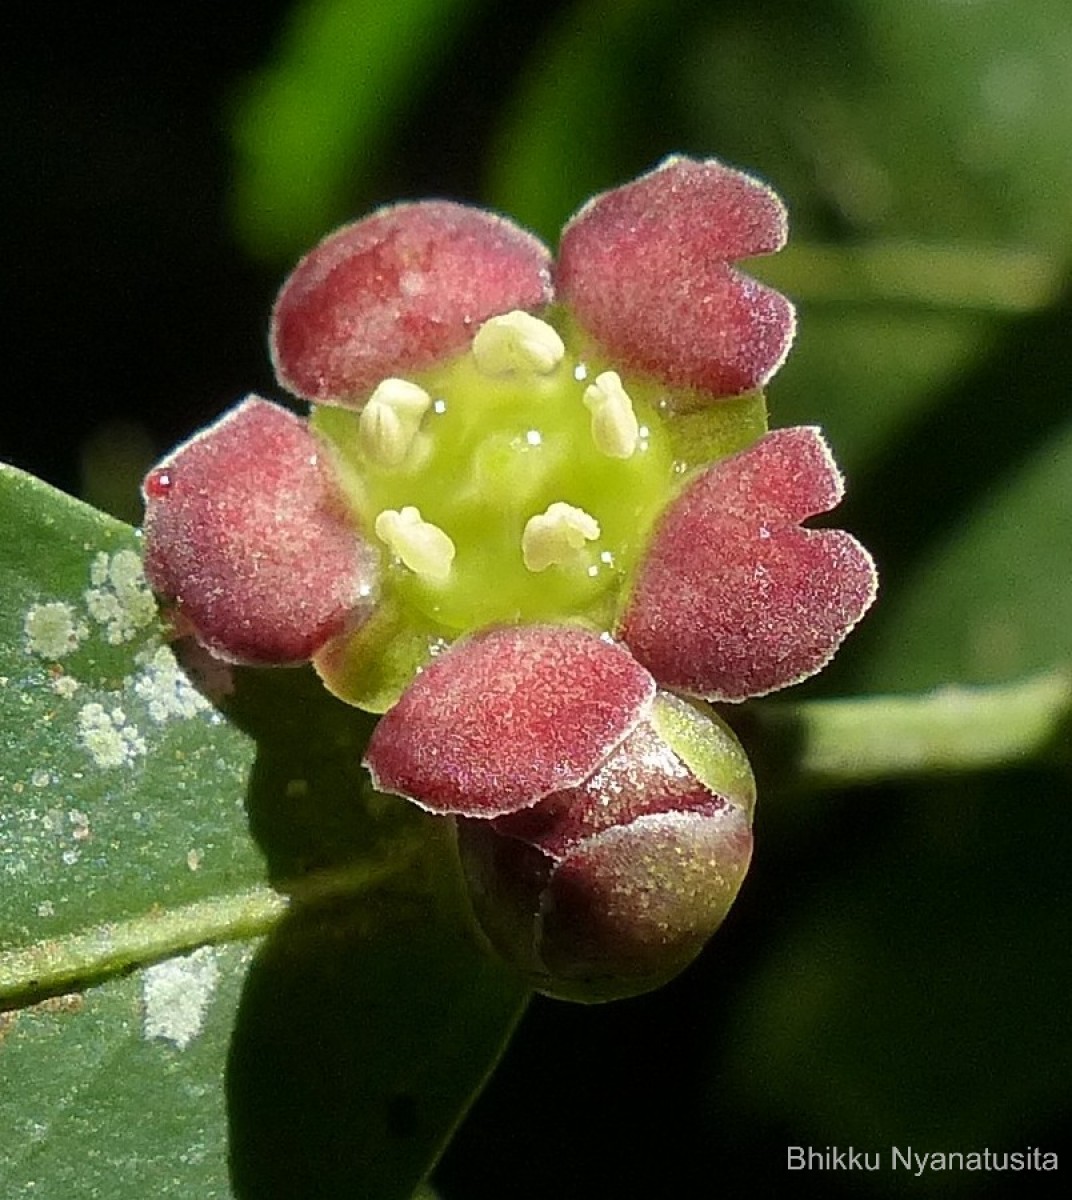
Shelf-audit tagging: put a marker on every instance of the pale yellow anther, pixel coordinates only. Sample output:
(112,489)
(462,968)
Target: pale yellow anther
(422,546)
(553,538)
(615,429)
(515,342)
(390,420)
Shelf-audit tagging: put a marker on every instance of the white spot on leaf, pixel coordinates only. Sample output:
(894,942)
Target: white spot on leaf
(177,993)
(164,686)
(110,740)
(65,686)
(53,630)
(120,599)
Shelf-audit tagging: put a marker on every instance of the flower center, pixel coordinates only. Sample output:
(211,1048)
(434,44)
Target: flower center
(512,484)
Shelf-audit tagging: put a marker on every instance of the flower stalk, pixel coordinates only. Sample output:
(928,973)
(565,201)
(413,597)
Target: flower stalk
(833,744)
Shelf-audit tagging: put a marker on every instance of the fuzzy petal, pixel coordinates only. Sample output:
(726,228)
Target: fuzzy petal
(645,269)
(398,292)
(734,599)
(507,717)
(247,537)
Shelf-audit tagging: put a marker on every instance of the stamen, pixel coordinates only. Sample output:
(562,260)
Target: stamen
(390,421)
(554,538)
(517,342)
(615,429)
(422,546)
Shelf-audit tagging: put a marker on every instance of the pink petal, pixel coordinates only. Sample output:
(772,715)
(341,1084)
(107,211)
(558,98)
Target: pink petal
(507,717)
(246,535)
(645,270)
(789,475)
(398,292)
(734,599)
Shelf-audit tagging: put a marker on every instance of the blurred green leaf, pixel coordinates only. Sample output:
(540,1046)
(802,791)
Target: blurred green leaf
(370,1015)
(561,136)
(865,373)
(887,330)
(309,129)
(991,600)
(921,118)
(917,996)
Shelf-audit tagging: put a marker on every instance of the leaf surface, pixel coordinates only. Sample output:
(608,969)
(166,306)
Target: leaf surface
(154,828)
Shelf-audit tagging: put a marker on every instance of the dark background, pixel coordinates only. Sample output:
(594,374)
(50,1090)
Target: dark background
(897,969)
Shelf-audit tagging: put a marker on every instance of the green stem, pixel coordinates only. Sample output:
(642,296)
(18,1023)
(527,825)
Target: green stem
(999,279)
(844,743)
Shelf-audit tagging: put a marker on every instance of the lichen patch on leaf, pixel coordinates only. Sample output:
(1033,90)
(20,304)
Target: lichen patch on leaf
(177,994)
(165,688)
(110,739)
(53,630)
(65,686)
(112,712)
(119,598)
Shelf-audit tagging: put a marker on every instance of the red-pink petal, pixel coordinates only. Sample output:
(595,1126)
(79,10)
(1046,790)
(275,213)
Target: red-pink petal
(734,599)
(645,270)
(247,536)
(398,292)
(507,717)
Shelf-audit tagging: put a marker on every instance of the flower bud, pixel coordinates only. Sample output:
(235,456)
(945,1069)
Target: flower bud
(604,827)
(611,888)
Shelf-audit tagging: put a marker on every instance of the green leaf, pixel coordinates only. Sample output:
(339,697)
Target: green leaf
(917,996)
(123,821)
(308,128)
(115,1091)
(991,600)
(364,1031)
(369,1016)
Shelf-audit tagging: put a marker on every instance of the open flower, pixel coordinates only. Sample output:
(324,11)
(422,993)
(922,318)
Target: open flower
(535,507)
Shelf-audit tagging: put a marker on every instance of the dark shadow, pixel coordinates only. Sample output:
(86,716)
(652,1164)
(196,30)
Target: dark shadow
(370,1015)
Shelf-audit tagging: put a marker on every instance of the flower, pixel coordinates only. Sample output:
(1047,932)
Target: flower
(537,520)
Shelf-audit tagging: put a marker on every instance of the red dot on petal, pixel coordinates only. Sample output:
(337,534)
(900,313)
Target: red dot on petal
(158,483)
